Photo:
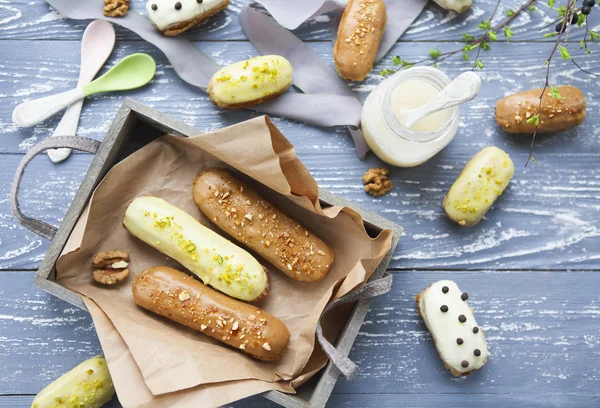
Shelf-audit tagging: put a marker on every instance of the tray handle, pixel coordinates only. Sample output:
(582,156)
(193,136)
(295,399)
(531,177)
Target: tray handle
(41,228)
(371,289)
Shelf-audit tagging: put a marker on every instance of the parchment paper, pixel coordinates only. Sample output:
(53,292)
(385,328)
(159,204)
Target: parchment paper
(169,356)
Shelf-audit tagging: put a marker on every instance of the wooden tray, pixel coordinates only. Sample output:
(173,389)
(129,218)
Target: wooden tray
(134,126)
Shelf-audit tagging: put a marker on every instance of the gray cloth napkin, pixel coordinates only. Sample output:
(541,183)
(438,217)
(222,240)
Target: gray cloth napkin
(326,101)
(292,14)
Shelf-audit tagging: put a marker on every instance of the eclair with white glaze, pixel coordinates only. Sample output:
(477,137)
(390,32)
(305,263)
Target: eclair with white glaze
(460,342)
(173,17)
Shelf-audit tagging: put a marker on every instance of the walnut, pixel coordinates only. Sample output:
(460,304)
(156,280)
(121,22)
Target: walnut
(116,8)
(376,182)
(110,267)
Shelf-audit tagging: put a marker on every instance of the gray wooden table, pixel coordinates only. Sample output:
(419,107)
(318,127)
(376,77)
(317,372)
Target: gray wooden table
(531,267)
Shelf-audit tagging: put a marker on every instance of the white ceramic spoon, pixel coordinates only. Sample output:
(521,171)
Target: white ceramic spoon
(464,88)
(96,46)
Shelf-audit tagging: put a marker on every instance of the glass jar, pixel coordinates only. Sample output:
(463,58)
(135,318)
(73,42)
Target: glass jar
(388,138)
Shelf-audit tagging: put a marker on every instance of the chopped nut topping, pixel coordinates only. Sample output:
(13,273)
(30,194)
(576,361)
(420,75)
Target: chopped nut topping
(203,327)
(183,296)
(235,326)
(248,216)
(266,346)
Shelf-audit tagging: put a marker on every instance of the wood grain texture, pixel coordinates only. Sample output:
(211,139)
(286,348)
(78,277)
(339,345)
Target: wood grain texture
(41,68)
(542,327)
(23,19)
(547,218)
(543,342)
(400,400)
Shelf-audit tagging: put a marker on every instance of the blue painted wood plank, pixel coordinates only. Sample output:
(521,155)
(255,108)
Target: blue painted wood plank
(531,400)
(547,219)
(41,68)
(542,330)
(23,19)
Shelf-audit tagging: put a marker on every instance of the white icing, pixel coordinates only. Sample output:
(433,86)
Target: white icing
(166,15)
(446,328)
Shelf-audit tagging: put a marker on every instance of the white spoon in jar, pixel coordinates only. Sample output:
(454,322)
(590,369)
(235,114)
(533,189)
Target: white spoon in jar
(462,89)
(96,46)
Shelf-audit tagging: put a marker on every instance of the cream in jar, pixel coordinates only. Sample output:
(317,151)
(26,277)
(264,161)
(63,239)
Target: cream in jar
(382,120)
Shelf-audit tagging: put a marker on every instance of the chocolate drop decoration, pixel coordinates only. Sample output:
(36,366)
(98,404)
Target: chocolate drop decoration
(464,296)
(154,7)
(459,341)
(464,364)
(178,5)
(477,352)
(445,289)
(444,308)
(475,329)
(462,318)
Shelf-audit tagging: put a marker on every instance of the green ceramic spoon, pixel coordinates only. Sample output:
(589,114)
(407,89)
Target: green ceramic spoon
(131,72)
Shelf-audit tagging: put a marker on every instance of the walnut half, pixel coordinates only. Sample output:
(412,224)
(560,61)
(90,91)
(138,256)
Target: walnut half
(376,182)
(110,267)
(116,8)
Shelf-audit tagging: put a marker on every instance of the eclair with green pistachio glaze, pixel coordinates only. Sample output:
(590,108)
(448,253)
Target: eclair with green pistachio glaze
(88,385)
(216,261)
(477,187)
(250,82)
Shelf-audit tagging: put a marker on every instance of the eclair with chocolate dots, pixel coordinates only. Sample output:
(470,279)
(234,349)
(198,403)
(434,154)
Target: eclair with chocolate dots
(460,342)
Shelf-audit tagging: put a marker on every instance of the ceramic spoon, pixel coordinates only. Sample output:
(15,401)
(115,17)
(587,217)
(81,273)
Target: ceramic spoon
(132,72)
(464,88)
(96,46)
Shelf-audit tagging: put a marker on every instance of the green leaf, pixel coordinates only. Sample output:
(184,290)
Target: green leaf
(485,45)
(434,53)
(465,56)
(554,93)
(564,53)
(510,13)
(468,37)
(581,19)
(492,35)
(532,8)
(534,119)
(508,33)
(386,72)
(581,44)
(484,25)
(533,159)
(397,60)
(471,47)
(549,35)
(478,64)
(561,11)
(550,3)
(594,35)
